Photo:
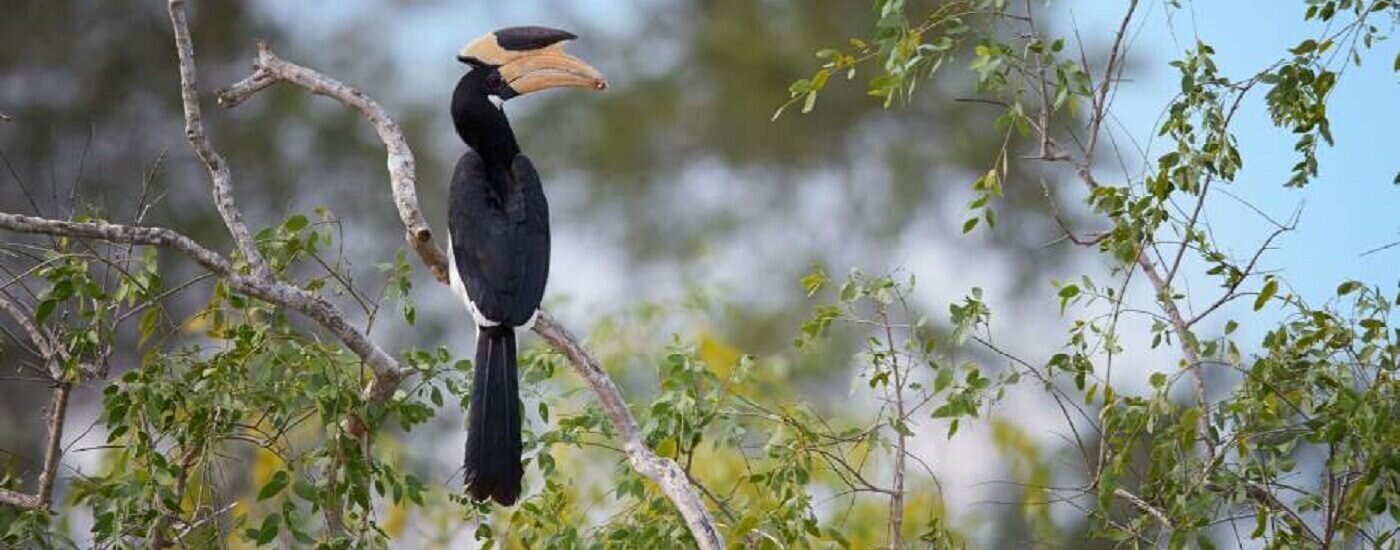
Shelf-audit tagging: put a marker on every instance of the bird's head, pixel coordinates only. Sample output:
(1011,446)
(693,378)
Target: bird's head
(519,60)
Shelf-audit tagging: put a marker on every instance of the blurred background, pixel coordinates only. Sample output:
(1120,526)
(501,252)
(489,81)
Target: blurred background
(673,183)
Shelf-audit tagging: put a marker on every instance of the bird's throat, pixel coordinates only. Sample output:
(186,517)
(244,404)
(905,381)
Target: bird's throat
(483,126)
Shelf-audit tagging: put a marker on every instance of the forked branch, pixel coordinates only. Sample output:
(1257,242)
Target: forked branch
(270,69)
(57,412)
(213,161)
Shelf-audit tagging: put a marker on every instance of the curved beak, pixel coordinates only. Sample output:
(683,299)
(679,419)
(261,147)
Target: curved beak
(546,68)
(531,59)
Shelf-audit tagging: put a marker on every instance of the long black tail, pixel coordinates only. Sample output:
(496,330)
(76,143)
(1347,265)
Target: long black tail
(493,434)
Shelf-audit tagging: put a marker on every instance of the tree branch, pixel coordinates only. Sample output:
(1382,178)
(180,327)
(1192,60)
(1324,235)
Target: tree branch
(270,69)
(386,369)
(162,524)
(1115,63)
(213,162)
(1270,501)
(665,472)
(1083,167)
(1186,341)
(1143,505)
(41,342)
(57,412)
(53,455)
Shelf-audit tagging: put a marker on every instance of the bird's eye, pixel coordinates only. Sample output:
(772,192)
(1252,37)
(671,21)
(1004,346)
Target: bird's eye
(493,81)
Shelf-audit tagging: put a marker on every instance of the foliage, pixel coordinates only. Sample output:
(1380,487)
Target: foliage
(239,425)
(1311,401)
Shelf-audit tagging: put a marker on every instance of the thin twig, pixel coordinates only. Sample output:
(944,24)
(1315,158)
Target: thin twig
(1230,290)
(1115,60)
(213,161)
(1380,249)
(1143,505)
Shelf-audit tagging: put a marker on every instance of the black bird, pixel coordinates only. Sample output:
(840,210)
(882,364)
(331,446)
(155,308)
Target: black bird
(498,222)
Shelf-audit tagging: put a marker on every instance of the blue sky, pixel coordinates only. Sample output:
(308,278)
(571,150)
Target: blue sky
(1351,207)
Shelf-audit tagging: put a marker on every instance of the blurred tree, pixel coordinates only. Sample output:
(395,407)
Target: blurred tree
(230,420)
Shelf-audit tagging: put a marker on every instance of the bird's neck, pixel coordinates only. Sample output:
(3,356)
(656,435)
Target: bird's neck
(484,127)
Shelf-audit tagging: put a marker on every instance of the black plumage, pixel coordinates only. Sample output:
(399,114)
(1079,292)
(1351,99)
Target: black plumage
(500,238)
(498,225)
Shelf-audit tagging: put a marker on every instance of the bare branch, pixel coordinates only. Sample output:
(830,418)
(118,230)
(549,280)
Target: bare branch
(53,356)
(896,536)
(19,500)
(270,69)
(665,472)
(1084,169)
(58,412)
(53,454)
(1115,62)
(194,130)
(1381,248)
(41,342)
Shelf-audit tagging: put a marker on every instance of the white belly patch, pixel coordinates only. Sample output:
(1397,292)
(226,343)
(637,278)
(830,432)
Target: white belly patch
(455,281)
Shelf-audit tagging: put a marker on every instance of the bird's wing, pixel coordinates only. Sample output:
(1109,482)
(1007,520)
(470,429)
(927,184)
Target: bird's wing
(533,234)
(500,261)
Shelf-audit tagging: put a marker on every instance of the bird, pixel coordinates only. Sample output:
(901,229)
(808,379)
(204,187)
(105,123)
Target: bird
(498,230)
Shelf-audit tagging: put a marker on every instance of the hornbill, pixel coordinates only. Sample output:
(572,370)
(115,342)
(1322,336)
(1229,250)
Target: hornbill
(498,226)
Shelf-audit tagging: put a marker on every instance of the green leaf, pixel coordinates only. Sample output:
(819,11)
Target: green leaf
(296,223)
(814,282)
(1158,379)
(148,324)
(46,308)
(274,486)
(942,380)
(305,490)
(970,224)
(1270,288)
(269,529)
